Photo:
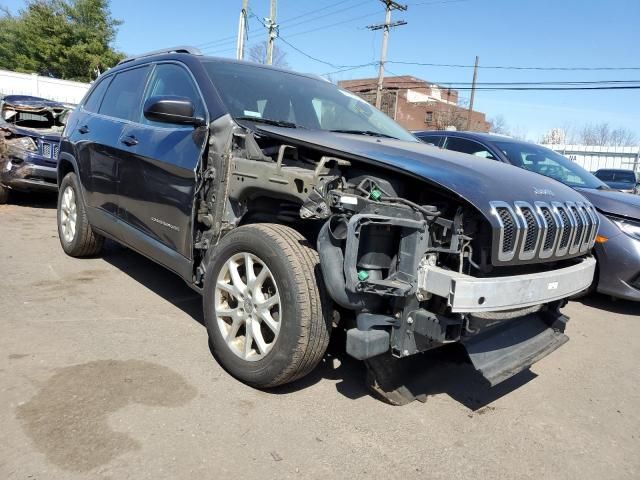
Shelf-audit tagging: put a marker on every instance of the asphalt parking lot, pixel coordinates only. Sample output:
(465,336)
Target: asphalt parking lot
(105,372)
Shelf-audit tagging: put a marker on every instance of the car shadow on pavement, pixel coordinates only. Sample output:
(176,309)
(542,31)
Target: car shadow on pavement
(33,199)
(443,371)
(156,278)
(613,305)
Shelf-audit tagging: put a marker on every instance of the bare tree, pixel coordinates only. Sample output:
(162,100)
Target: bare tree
(623,137)
(258,54)
(597,134)
(555,136)
(601,134)
(448,116)
(499,125)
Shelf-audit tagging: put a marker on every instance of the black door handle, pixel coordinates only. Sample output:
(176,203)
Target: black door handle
(129,140)
(83,129)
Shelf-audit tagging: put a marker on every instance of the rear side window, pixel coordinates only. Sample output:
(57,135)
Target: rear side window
(95,98)
(124,94)
(468,146)
(432,139)
(172,79)
(616,176)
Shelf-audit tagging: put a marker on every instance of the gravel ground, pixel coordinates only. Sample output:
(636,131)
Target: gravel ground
(105,372)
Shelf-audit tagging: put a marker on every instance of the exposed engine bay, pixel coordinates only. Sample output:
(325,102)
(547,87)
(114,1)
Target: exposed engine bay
(408,265)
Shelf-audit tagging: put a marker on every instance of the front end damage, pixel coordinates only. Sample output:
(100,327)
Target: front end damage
(30,131)
(410,265)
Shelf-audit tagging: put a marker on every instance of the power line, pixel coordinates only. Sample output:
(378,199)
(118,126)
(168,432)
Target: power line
(347,67)
(351,7)
(541,89)
(437,2)
(550,83)
(511,67)
(335,24)
(230,39)
(355,67)
(290,19)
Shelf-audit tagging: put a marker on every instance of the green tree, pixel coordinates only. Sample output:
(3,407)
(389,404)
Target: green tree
(70,39)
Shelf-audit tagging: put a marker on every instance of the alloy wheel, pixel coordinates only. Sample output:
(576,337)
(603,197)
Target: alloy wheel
(247,306)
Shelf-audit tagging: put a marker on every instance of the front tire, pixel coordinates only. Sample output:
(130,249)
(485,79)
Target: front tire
(75,233)
(265,307)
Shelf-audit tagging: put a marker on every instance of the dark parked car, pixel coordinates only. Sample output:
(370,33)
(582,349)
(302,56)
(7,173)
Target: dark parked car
(626,181)
(294,206)
(618,245)
(30,128)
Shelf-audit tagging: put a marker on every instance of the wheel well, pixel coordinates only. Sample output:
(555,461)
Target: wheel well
(64,167)
(269,209)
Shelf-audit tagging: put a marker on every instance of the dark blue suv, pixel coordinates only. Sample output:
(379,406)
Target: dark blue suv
(292,205)
(618,245)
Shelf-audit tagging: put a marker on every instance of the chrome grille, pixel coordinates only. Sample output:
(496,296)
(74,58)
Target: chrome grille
(534,232)
(49,150)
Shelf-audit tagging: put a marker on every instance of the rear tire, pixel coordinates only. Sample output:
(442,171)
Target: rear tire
(75,233)
(4,195)
(272,264)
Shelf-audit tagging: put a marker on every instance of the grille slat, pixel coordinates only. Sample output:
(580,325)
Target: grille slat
(564,242)
(509,228)
(552,228)
(578,218)
(46,149)
(532,230)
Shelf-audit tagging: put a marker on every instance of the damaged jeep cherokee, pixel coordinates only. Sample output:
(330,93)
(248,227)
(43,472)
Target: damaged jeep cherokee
(294,207)
(30,130)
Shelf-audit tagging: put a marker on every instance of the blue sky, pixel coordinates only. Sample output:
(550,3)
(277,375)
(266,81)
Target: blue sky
(554,33)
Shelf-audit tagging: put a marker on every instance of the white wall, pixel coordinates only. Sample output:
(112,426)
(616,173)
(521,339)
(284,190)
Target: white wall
(594,157)
(14,83)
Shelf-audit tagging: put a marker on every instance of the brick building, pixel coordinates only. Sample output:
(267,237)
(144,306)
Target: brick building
(417,104)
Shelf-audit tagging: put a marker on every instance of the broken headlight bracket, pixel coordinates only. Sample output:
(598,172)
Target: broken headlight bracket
(413,243)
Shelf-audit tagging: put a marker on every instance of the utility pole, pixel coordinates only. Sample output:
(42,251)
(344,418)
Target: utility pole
(473,93)
(242,26)
(390,5)
(272,29)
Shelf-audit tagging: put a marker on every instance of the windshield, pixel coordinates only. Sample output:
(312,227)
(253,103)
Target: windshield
(255,93)
(549,163)
(622,176)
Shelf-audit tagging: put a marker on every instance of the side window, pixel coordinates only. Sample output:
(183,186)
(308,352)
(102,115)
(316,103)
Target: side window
(92,104)
(171,79)
(468,146)
(123,96)
(430,139)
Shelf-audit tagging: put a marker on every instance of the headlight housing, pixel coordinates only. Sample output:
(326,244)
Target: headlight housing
(629,227)
(24,143)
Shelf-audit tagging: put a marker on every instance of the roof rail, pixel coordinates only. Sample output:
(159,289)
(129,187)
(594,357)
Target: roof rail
(180,49)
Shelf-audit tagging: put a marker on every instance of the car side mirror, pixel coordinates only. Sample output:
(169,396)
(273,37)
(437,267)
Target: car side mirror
(171,109)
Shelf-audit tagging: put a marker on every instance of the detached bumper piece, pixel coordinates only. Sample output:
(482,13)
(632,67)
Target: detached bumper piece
(503,351)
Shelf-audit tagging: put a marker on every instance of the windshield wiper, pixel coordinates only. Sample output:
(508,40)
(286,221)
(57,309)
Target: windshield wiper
(370,133)
(269,121)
